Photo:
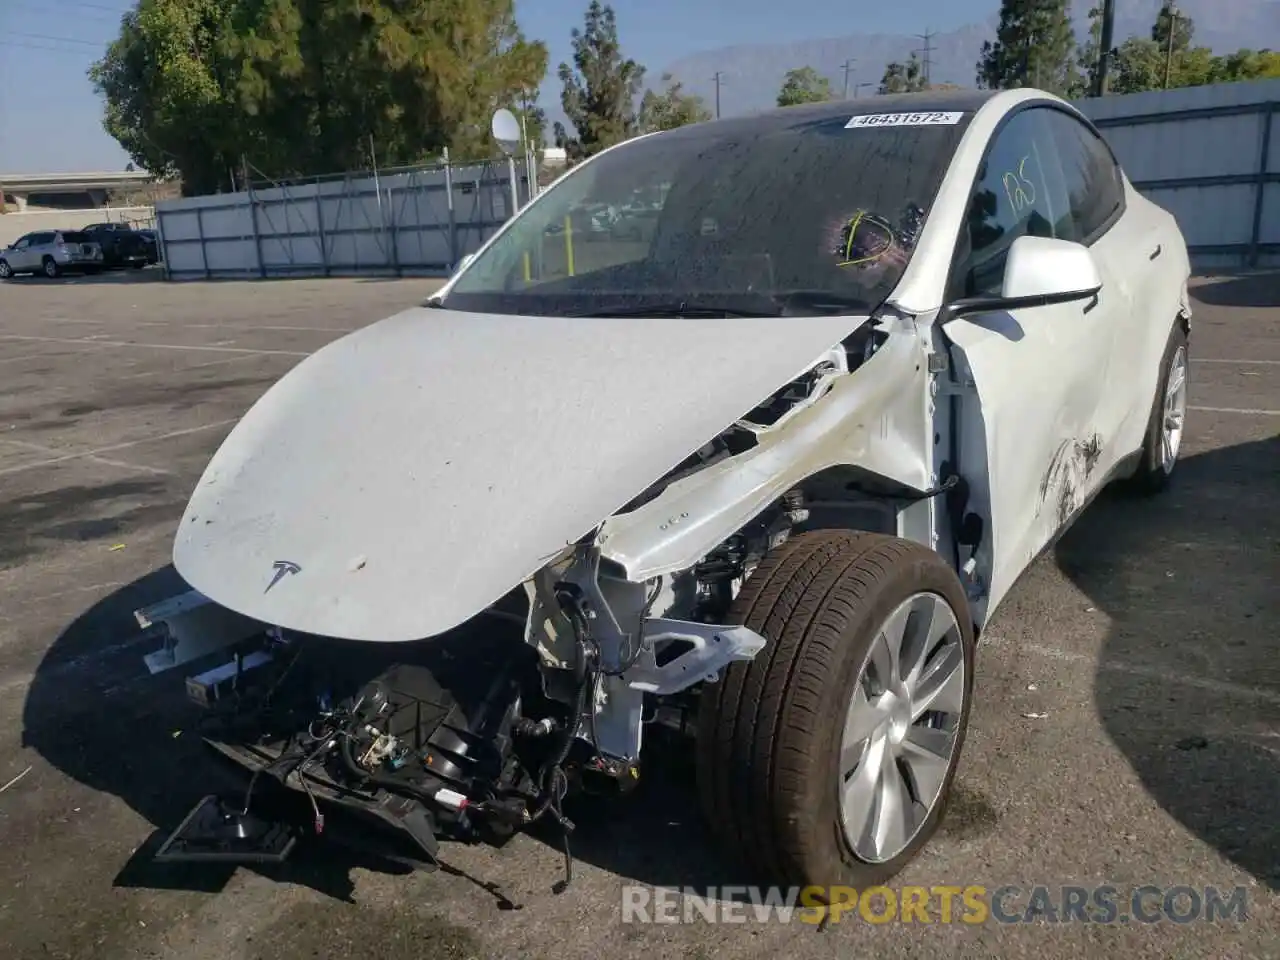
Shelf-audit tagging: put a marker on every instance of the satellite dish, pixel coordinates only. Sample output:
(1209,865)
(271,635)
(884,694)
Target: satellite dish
(506,130)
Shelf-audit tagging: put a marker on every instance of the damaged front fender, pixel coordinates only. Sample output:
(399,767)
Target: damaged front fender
(869,419)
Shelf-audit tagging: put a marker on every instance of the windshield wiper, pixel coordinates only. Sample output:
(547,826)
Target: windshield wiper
(822,301)
(681,308)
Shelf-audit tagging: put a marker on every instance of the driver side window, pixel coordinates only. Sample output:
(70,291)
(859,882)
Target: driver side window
(1020,192)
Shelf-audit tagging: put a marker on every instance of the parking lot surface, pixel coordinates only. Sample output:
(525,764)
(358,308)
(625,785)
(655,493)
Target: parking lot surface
(1126,729)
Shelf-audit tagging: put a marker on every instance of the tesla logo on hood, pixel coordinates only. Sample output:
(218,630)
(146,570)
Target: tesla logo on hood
(282,567)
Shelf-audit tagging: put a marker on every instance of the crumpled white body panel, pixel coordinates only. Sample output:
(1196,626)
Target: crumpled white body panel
(417,470)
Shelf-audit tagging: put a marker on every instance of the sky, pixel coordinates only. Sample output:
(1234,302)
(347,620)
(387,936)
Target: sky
(51,119)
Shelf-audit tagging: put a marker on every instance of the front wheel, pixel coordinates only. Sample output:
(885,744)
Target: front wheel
(828,759)
(6,271)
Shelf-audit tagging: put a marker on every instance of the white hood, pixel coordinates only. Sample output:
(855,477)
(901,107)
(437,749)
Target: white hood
(418,469)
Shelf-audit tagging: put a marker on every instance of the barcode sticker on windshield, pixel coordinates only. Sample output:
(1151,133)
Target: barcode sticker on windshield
(929,119)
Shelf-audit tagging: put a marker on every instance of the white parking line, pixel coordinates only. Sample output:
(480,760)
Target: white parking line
(1247,411)
(88,341)
(204,326)
(92,454)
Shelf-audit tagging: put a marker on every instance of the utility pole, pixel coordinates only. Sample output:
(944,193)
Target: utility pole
(848,69)
(717,80)
(1173,30)
(1104,45)
(927,37)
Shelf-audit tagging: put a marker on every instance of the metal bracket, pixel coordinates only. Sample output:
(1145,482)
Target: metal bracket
(193,626)
(712,647)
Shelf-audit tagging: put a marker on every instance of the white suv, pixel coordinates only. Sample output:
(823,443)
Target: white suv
(51,252)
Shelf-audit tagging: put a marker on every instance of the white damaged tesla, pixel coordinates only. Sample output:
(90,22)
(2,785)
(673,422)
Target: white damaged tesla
(767,457)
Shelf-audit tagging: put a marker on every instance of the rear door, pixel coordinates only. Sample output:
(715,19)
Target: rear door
(1039,373)
(38,249)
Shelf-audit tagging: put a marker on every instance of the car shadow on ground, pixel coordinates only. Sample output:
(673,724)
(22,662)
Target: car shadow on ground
(92,711)
(151,274)
(1188,681)
(1241,289)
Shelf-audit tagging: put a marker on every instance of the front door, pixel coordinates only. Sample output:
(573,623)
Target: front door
(20,254)
(1033,443)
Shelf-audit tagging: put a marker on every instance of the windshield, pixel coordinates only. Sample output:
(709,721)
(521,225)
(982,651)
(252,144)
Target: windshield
(765,215)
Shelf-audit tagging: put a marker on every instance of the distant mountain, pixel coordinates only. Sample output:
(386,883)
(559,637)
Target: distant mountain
(751,75)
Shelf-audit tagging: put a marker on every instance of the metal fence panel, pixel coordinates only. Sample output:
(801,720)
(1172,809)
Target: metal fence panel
(1209,156)
(407,222)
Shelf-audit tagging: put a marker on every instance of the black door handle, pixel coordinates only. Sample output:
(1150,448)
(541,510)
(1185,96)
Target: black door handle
(1156,252)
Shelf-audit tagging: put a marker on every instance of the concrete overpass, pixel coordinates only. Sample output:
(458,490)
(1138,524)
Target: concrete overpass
(18,187)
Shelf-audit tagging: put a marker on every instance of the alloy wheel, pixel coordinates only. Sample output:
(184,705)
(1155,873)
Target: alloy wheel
(901,728)
(1175,410)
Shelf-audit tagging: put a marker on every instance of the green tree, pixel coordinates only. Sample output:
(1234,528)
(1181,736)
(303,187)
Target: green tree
(671,108)
(904,77)
(1090,54)
(600,90)
(1034,47)
(532,116)
(1180,25)
(168,86)
(1145,63)
(804,85)
(1246,65)
(303,87)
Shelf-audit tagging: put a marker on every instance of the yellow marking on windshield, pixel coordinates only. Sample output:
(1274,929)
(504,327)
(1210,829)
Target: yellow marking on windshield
(853,228)
(528,274)
(568,243)
(848,247)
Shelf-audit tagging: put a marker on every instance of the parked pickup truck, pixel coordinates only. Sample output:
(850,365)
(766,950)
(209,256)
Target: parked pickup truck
(122,246)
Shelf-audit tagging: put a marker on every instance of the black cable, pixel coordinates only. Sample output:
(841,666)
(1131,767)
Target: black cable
(253,781)
(634,655)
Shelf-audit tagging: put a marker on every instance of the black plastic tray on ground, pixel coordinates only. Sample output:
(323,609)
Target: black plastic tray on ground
(216,832)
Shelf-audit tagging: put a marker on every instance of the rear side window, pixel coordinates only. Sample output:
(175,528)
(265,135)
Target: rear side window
(1095,188)
(74,236)
(37,239)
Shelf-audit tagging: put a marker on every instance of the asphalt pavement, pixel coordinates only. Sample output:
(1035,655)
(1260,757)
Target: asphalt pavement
(1126,729)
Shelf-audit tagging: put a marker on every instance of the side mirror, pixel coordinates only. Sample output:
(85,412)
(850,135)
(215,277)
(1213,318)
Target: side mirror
(462,264)
(1039,272)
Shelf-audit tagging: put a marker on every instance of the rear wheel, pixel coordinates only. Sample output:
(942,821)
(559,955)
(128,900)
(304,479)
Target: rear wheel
(1163,442)
(50,267)
(828,759)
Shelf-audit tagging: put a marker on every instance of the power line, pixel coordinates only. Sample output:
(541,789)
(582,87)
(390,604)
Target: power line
(48,49)
(927,37)
(43,6)
(848,69)
(44,36)
(1174,13)
(717,80)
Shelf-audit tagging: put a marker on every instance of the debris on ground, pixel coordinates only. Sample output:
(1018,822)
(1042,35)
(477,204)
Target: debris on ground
(15,780)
